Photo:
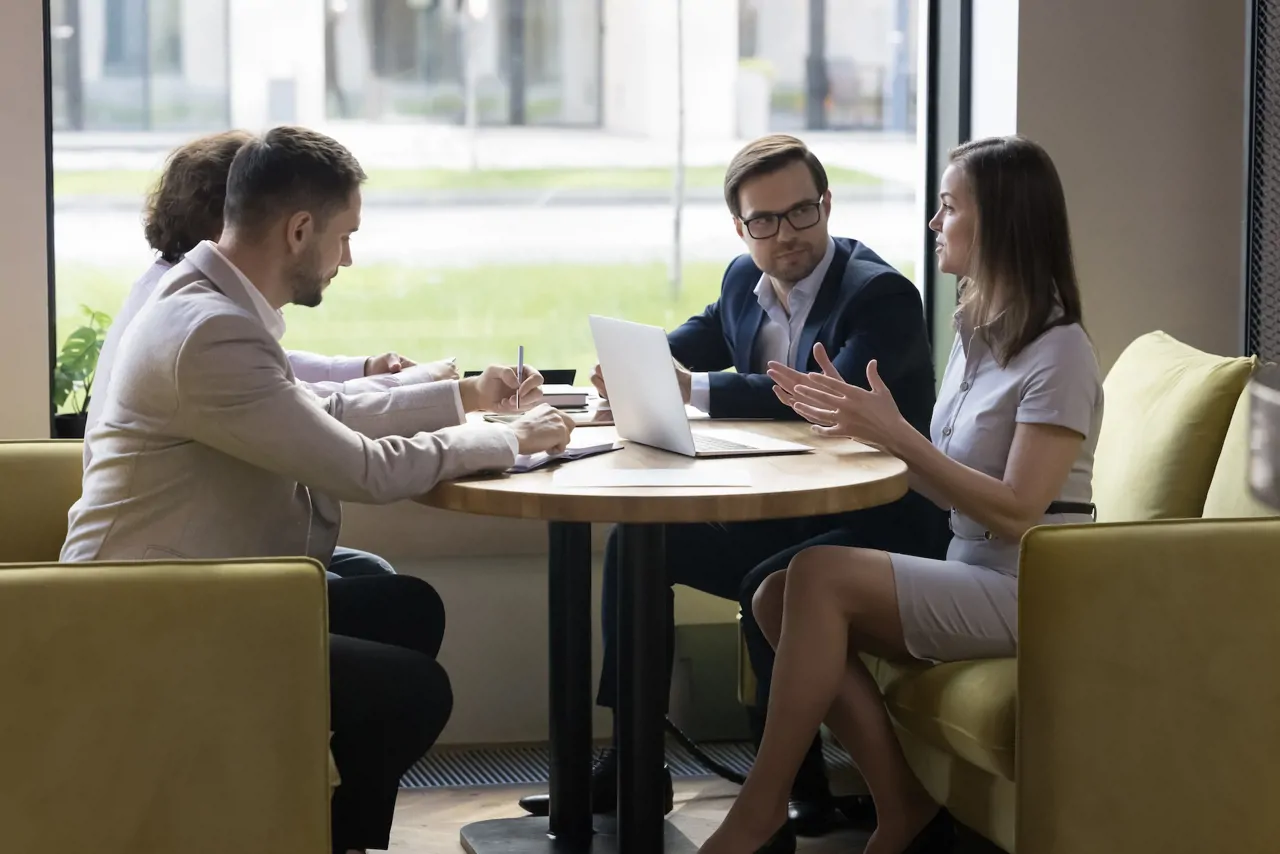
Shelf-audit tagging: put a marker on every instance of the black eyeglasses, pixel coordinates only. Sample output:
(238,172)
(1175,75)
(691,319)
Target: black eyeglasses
(802,216)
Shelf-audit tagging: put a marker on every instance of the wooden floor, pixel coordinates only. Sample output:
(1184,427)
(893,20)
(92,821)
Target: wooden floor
(428,820)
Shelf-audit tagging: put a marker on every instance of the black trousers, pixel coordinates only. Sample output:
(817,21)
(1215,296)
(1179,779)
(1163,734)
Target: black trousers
(731,561)
(388,697)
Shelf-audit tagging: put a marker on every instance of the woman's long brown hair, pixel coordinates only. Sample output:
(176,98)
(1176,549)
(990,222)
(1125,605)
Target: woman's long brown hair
(1023,270)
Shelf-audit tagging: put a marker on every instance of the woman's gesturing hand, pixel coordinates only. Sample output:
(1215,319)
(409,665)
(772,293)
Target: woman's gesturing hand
(835,407)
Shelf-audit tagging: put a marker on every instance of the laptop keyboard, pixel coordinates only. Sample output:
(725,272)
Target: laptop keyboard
(704,442)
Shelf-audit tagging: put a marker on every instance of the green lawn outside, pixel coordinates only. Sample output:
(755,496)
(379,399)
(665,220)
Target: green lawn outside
(136,182)
(479,315)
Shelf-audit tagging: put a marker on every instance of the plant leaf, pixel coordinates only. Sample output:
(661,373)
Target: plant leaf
(78,360)
(61,389)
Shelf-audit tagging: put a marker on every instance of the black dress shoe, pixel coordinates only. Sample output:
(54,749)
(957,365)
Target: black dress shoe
(604,788)
(813,817)
(782,842)
(811,809)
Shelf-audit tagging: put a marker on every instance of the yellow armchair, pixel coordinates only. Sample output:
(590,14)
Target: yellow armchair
(1147,696)
(153,708)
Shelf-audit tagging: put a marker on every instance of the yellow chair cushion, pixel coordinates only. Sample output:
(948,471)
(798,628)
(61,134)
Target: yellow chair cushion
(1229,496)
(39,481)
(967,708)
(1167,410)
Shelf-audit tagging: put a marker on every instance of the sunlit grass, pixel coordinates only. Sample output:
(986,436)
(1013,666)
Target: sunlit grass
(122,182)
(479,315)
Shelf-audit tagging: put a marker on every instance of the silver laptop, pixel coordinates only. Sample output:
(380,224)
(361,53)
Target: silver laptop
(644,396)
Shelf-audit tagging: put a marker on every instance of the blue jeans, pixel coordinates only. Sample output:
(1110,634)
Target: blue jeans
(353,563)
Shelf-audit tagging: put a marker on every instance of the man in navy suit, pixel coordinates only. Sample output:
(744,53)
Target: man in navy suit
(796,287)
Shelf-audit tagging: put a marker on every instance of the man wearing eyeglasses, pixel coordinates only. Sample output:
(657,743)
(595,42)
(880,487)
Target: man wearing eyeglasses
(796,287)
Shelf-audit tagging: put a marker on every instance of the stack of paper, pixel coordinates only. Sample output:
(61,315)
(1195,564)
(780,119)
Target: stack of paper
(566,396)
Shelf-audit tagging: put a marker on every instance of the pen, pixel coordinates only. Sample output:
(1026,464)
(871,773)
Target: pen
(519,373)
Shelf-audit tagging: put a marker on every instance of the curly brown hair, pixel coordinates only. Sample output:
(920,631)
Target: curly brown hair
(185,205)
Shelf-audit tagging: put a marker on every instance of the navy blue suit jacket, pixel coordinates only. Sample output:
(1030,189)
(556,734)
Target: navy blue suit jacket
(864,310)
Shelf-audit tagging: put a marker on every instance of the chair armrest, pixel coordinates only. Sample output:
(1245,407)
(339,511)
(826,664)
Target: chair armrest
(1148,692)
(164,707)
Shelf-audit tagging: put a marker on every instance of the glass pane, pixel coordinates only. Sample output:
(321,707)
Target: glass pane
(530,62)
(114,63)
(394,59)
(562,62)
(64,58)
(834,64)
(137,65)
(188,71)
(477,240)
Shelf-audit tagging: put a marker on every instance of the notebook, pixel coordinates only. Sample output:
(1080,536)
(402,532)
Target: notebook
(531,462)
(566,396)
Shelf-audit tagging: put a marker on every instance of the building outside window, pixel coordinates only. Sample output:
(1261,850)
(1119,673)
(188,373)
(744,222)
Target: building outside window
(139,65)
(834,64)
(535,62)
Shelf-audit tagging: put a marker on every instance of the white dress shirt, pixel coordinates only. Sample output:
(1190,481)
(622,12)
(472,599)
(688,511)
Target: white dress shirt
(322,375)
(779,335)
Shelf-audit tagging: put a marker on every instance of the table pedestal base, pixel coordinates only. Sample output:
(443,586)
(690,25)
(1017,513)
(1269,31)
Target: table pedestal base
(529,836)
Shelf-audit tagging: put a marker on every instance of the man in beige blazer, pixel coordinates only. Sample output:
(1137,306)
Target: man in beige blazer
(208,447)
(183,208)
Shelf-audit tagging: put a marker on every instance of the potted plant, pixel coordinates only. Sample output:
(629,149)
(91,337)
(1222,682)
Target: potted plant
(73,374)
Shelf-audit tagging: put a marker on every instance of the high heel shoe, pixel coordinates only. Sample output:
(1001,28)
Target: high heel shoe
(936,837)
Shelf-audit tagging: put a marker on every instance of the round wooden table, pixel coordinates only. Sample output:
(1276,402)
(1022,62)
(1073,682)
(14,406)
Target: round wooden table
(839,475)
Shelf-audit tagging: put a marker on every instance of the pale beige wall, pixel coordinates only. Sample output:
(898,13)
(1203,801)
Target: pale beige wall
(492,576)
(1140,103)
(24,315)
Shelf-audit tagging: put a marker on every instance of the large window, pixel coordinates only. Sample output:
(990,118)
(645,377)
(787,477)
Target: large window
(520,153)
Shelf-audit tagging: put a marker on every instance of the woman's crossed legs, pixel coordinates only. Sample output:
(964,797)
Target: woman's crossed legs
(830,604)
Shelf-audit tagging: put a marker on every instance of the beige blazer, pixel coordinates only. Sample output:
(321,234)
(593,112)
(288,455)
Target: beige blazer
(323,375)
(208,447)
